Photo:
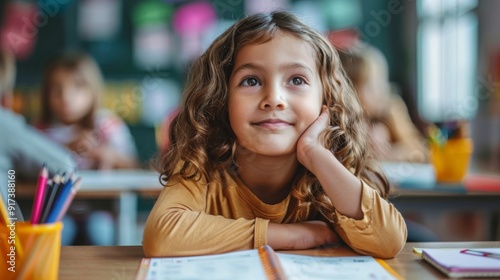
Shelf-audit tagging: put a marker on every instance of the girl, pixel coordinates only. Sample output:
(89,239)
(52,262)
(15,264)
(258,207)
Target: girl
(393,133)
(70,115)
(71,91)
(269,147)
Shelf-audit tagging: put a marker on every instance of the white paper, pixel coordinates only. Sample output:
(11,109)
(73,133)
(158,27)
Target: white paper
(306,267)
(238,265)
(453,259)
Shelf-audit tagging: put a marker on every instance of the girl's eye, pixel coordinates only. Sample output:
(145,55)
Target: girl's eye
(297,81)
(250,82)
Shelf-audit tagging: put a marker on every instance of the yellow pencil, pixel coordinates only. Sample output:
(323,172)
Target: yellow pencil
(5,217)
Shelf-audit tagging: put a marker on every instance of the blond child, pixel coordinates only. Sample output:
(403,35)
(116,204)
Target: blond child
(394,136)
(71,115)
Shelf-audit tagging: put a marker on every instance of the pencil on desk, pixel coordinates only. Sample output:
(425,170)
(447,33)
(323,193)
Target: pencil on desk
(40,192)
(480,253)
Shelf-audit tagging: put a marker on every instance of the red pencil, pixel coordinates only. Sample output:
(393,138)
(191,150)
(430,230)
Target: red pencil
(39,195)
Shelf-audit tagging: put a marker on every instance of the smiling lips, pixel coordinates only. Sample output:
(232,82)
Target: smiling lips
(272,123)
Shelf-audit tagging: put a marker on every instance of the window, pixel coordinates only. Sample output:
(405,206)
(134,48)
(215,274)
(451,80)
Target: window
(447,58)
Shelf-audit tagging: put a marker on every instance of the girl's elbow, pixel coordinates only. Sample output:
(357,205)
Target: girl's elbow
(162,237)
(155,245)
(391,248)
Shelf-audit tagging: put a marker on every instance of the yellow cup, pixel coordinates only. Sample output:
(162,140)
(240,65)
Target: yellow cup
(451,161)
(38,257)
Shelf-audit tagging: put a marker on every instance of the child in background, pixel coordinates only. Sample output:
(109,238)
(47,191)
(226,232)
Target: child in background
(269,147)
(23,149)
(71,115)
(394,136)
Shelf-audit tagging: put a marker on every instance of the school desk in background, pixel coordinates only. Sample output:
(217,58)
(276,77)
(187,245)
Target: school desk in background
(124,187)
(34,250)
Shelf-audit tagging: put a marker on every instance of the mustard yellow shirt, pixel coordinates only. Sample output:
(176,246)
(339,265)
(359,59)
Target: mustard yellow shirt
(195,218)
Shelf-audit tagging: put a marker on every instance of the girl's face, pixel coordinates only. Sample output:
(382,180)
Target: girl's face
(275,93)
(70,99)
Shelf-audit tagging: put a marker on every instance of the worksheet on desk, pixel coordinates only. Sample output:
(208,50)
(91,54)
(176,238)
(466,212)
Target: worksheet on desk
(244,265)
(317,268)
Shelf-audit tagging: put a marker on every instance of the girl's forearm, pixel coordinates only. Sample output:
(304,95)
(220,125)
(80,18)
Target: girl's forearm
(123,162)
(279,237)
(342,187)
(300,236)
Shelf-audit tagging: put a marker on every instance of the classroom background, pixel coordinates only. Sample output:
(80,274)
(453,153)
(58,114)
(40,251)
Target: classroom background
(443,57)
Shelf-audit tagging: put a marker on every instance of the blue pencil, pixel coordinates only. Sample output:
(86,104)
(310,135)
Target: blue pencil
(60,200)
(52,195)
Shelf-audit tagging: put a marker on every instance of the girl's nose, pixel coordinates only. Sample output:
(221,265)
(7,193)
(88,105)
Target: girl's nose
(274,98)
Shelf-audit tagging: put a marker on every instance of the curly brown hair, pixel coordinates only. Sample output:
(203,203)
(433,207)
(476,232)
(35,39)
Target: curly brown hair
(201,136)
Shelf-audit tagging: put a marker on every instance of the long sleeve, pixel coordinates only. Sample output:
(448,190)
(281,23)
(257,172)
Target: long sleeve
(27,149)
(23,150)
(180,224)
(382,231)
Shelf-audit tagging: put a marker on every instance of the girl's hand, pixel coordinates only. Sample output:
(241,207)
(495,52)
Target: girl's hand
(309,140)
(300,236)
(104,157)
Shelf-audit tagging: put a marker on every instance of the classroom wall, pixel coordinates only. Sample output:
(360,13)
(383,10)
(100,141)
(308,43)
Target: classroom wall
(390,25)
(486,125)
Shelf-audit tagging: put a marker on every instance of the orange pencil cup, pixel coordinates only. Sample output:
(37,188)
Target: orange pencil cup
(451,161)
(38,257)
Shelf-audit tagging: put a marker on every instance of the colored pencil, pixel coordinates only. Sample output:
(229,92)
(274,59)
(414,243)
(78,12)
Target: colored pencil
(74,189)
(60,200)
(40,192)
(51,197)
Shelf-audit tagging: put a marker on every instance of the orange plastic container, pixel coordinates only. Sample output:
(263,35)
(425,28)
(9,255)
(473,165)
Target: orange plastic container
(451,161)
(39,254)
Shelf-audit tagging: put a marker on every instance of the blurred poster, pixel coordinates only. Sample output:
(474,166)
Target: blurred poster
(20,25)
(152,37)
(99,20)
(160,97)
(152,46)
(190,22)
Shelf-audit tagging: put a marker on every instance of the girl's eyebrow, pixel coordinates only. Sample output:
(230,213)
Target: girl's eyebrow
(250,66)
(284,66)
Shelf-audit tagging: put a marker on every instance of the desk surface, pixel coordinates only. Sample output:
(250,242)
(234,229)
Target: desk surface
(121,262)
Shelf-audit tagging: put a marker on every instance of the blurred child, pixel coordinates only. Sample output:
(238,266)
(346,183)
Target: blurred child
(394,136)
(23,150)
(71,115)
(269,147)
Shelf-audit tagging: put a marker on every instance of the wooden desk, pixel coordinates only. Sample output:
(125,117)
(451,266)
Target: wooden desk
(122,262)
